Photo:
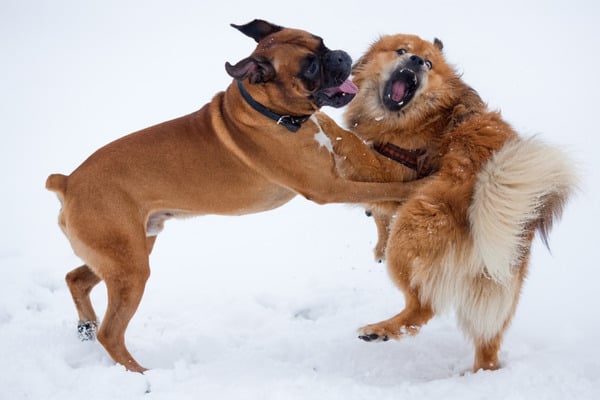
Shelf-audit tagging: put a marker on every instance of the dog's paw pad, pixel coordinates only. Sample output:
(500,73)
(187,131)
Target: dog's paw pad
(87,330)
(373,337)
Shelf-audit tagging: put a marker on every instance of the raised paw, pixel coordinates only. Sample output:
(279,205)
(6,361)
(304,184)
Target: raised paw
(87,330)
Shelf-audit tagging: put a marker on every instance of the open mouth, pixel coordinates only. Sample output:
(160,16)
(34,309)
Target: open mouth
(400,89)
(337,96)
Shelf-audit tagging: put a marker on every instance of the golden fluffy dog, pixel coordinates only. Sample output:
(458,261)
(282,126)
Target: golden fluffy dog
(463,239)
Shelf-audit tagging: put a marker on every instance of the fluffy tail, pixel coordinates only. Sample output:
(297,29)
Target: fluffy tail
(524,186)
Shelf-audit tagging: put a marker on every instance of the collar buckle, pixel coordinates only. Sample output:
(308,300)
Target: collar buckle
(292,123)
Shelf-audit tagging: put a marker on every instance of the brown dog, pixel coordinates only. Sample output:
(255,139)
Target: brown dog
(463,239)
(252,148)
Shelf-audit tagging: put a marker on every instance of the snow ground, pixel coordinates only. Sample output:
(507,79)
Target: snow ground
(266,306)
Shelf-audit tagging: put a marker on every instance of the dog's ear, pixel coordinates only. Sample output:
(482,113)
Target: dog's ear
(438,43)
(258,29)
(257,70)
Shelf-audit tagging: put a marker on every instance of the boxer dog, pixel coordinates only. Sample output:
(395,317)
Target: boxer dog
(252,148)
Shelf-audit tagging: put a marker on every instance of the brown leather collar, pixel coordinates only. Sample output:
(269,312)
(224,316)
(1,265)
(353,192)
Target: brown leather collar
(413,159)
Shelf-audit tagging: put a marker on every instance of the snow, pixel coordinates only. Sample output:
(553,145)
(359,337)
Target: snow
(266,306)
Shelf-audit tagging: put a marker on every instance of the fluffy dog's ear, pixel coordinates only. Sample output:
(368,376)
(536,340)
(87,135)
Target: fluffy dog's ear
(258,29)
(438,43)
(257,70)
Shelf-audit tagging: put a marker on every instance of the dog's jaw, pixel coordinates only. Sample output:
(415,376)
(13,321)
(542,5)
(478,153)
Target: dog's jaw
(403,83)
(385,101)
(400,89)
(336,90)
(337,96)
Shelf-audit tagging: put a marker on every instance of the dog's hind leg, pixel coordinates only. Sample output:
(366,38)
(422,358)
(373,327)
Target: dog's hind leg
(415,313)
(486,354)
(81,281)
(121,259)
(407,323)
(401,253)
(125,292)
(113,243)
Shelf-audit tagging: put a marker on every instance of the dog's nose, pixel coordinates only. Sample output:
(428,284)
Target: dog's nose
(416,60)
(337,65)
(337,58)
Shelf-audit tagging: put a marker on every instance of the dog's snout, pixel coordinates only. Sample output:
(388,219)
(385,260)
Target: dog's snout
(337,66)
(337,58)
(416,60)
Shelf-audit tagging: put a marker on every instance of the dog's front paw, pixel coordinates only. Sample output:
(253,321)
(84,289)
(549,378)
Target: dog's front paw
(87,330)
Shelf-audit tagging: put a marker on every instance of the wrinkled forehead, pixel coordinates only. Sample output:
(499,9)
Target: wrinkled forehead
(293,38)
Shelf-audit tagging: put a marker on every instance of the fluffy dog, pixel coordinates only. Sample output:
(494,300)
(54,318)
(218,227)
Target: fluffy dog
(252,148)
(463,239)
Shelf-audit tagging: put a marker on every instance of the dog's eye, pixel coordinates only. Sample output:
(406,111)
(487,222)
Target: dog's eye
(401,51)
(312,69)
(428,64)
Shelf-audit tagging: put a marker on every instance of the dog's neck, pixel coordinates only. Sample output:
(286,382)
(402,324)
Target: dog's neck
(424,160)
(291,122)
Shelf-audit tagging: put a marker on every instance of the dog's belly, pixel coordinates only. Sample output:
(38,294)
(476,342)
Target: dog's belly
(250,202)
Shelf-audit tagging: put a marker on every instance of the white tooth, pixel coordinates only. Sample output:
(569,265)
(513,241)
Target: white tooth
(400,103)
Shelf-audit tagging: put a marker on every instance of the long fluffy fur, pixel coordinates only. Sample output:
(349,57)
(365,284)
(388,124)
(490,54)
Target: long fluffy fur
(524,185)
(463,240)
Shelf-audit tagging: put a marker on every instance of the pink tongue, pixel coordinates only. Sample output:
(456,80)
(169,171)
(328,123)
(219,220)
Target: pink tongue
(348,87)
(398,90)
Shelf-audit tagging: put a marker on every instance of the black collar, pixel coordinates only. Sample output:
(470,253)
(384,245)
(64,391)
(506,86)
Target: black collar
(292,123)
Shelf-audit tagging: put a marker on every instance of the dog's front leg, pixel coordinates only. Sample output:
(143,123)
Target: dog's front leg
(355,160)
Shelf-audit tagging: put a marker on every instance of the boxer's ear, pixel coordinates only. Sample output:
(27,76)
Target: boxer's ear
(258,29)
(257,70)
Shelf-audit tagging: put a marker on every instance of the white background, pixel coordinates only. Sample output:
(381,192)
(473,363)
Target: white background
(267,306)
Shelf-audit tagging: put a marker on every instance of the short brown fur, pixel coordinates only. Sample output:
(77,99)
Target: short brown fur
(223,159)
